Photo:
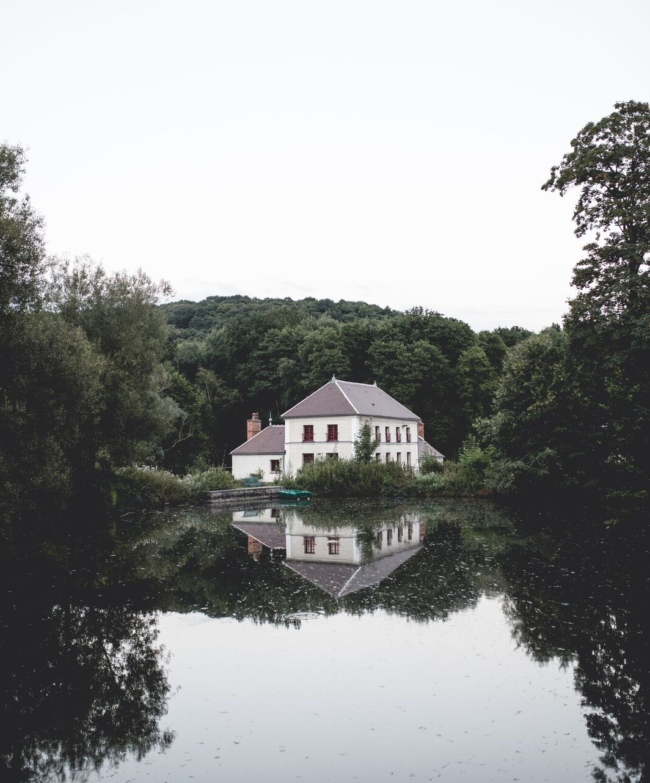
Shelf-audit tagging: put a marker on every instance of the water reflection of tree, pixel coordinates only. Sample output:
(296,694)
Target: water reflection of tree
(207,567)
(82,677)
(584,599)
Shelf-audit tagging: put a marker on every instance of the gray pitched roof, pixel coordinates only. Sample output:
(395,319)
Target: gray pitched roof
(270,440)
(426,449)
(268,533)
(344,398)
(339,579)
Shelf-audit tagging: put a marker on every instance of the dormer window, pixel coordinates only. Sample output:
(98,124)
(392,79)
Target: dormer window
(308,433)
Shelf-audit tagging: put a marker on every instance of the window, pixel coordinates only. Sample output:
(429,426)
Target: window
(333,545)
(387,434)
(408,434)
(408,458)
(308,432)
(310,544)
(398,435)
(307,459)
(400,534)
(275,513)
(379,539)
(399,458)
(275,466)
(410,532)
(389,538)
(387,458)
(332,455)
(332,432)
(377,456)
(378,434)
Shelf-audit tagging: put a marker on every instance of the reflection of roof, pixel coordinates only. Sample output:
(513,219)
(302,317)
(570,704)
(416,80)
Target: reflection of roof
(426,449)
(343,398)
(339,579)
(270,440)
(268,533)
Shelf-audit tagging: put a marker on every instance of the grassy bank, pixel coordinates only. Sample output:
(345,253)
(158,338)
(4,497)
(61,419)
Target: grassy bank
(151,488)
(348,479)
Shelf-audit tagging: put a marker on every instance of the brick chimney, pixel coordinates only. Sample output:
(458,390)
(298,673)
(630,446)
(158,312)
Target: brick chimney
(253,426)
(421,430)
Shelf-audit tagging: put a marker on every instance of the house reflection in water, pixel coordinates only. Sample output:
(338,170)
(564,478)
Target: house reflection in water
(262,526)
(340,559)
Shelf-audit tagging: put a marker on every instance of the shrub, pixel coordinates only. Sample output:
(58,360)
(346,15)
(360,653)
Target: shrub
(145,488)
(347,478)
(430,464)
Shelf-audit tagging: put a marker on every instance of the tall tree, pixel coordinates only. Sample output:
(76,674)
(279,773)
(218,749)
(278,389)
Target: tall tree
(609,319)
(22,249)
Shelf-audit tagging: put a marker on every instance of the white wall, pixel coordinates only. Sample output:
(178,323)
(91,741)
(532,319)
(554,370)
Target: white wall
(349,427)
(245,464)
(349,549)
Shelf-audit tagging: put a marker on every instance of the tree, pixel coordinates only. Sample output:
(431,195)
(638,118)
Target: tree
(365,444)
(117,314)
(609,319)
(22,248)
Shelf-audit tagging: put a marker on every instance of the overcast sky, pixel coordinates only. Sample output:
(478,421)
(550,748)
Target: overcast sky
(388,151)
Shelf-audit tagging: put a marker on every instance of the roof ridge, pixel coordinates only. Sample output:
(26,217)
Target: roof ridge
(356,383)
(354,407)
(306,398)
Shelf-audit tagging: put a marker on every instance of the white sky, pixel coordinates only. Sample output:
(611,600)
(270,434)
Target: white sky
(390,151)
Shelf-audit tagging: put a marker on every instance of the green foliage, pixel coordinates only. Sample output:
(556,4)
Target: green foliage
(269,354)
(365,444)
(575,409)
(347,478)
(151,488)
(117,314)
(430,464)
(22,247)
(350,479)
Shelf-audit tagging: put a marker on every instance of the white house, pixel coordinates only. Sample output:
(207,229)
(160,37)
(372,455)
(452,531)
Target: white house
(326,424)
(263,451)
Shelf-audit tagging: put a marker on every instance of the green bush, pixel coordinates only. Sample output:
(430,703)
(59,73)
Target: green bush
(149,488)
(430,464)
(347,478)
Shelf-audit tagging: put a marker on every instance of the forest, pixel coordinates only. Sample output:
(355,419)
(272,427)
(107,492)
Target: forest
(102,372)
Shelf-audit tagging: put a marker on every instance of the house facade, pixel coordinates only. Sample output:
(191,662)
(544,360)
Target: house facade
(326,424)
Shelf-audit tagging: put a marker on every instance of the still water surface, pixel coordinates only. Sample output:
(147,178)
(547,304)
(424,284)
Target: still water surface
(339,642)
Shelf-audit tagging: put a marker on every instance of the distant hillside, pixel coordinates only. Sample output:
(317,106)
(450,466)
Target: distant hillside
(194,320)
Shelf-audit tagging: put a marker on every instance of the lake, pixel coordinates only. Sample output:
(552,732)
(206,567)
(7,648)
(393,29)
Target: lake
(337,641)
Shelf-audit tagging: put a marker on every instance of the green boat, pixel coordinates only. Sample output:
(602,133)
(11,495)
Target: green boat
(295,494)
